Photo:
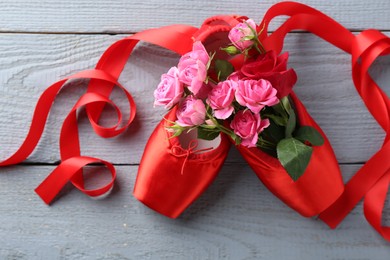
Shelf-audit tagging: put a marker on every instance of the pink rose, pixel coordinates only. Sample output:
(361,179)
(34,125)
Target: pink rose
(193,67)
(169,90)
(191,112)
(248,126)
(235,76)
(242,34)
(221,98)
(273,68)
(256,94)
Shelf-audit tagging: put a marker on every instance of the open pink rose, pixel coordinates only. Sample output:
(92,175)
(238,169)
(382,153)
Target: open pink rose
(256,94)
(221,98)
(193,67)
(241,35)
(169,90)
(273,68)
(248,126)
(191,112)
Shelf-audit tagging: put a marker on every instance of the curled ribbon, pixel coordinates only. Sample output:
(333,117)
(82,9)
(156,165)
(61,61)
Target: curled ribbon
(372,180)
(102,81)
(69,142)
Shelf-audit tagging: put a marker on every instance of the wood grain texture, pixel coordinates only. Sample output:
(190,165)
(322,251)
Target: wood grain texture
(100,16)
(29,63)
(236,218)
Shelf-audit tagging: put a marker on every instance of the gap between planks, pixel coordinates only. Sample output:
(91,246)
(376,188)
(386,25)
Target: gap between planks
(113,33)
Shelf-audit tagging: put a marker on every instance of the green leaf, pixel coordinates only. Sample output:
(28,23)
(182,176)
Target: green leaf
(274,132)
(310,134)
(207,134)
(294,156)
(291,124)
(277,119)
(286,104)
(279,109)
(223,68)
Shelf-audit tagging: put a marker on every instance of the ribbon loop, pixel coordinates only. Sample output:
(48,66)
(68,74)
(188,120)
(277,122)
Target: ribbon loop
(102,81)
(372,180)
(53,184)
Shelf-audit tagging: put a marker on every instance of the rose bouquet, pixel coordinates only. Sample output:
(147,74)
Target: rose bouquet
(240,90)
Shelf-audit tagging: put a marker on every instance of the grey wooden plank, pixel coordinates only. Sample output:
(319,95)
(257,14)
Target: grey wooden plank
(131,16)
(29,63)
(236,218)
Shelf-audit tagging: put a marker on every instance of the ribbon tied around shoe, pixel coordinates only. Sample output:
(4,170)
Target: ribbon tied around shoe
(178,151)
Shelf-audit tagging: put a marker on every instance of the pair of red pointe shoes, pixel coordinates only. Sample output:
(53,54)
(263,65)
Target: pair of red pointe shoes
(173,174)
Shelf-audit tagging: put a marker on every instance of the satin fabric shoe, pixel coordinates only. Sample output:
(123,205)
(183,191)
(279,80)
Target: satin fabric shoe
(170,176)
(319,186)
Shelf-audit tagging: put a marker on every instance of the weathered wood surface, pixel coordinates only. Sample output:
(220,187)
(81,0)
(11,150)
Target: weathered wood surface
(237,218)
(123,16)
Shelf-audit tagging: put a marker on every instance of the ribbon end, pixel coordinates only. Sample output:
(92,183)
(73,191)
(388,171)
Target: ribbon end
(45,196)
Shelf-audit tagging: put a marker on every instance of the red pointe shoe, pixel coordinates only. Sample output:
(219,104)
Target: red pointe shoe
(170,177)
(319,186)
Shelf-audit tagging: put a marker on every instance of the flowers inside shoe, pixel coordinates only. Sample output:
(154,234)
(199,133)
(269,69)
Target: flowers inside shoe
(242,92)
(320,183)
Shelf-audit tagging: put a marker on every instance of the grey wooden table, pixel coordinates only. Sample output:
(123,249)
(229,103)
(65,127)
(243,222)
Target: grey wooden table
(236,218)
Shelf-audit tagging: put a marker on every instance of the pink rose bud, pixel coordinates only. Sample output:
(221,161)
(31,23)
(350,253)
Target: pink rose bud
(235,76)
(191,112)
(169,90)
(248,126)
(193,67)
(256,94)
(242,34)
(221,98)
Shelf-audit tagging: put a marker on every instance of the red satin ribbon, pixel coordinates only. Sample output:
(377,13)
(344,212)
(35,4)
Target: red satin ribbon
(372,180)
(102,81)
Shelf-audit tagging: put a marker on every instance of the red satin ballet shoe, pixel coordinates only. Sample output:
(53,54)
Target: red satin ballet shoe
(170,177)
(319,186)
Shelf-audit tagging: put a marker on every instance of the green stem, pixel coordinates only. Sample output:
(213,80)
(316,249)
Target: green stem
(213,81)
(259,46)
(266,146)
(266,142)
(218,125)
